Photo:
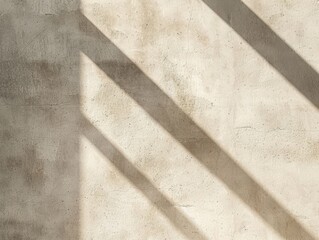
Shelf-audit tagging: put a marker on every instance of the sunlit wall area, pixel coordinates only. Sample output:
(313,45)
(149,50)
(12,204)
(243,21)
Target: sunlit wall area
(154,119)
(177,81)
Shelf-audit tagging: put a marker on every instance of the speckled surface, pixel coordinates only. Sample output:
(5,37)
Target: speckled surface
(159,119)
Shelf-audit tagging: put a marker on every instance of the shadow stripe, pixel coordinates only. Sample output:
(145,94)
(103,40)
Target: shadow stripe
(137,178)
(269,46)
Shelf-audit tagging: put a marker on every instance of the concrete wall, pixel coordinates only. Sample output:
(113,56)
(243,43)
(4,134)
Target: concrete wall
(162,119)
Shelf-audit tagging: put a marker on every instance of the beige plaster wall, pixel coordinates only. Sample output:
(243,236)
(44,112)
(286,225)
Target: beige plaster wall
(161,119)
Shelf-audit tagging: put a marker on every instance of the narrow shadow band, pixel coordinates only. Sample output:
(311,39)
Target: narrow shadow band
(141,182)
(269,45)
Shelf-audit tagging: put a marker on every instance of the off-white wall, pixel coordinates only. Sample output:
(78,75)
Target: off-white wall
(159,120)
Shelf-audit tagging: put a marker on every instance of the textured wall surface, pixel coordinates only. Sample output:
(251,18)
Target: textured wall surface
(157,119)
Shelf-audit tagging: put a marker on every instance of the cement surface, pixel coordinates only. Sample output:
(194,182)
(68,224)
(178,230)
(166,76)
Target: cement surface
(159,120)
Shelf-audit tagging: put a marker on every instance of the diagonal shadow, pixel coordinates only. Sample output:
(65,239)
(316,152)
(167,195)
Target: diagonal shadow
(141,182)
(269,45)
(162,109)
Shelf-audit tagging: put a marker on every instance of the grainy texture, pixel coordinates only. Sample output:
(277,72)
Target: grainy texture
(159,119)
